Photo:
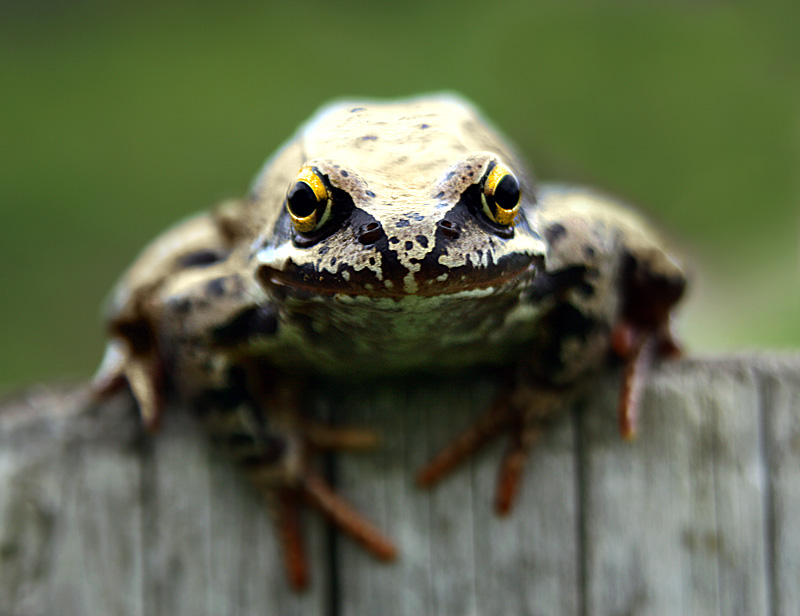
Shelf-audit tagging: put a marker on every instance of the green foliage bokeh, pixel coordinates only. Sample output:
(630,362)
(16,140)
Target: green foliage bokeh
(118,119)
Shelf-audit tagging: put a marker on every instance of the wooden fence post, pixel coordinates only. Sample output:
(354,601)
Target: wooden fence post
(697,516)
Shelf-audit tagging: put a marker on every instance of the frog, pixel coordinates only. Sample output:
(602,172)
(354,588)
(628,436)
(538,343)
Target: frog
(385,238)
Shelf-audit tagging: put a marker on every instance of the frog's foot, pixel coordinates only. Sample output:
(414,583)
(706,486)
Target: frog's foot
(523,417)
(315,491)
(293,484)
(326,437)
(523,438)
(142,374)
(638,348)
(497,419)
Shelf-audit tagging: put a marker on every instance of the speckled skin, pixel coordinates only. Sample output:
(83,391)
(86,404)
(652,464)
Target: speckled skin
(226,310)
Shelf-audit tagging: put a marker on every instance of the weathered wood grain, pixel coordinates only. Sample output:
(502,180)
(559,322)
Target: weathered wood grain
(98,519)
(781,442)
(697,516)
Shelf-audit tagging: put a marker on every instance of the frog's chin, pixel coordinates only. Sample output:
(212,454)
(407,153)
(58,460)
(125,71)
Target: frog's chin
(301,282)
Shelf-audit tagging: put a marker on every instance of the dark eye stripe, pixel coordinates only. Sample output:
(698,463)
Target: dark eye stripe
(201,258)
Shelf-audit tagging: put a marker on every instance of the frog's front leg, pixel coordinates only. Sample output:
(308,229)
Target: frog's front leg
(607,289)
(527,405)
(258,418)
(191,335)
(257,412)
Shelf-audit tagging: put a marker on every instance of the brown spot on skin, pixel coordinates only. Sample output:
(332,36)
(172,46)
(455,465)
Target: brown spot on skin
(183,306)
(216,287)
(201,258)
(555,233)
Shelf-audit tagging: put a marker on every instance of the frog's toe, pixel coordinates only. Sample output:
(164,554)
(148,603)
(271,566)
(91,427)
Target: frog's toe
(523,438)
(316,492)
(499,416)
(335,438)
(638,348)
(110,376)
(140,372)
(290,536)
(285,478)
(321,496)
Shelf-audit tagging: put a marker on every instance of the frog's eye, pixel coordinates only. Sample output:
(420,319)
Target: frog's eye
(308,201)
(500,195)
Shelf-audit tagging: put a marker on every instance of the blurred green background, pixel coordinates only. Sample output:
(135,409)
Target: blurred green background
(116,119)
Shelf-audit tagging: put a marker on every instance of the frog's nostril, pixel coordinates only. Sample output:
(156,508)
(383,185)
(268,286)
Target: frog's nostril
(370,233)
(449,229)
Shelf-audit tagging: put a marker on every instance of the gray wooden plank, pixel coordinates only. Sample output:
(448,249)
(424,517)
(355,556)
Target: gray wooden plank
(456,556)
(675,521)
(529,560)
(245,560)
(70,514)
(95,518)
(210,543)
(697,516)
(378,485)
(782,446)
(739,471)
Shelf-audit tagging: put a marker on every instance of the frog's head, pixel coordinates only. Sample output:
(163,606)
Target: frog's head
(411,198)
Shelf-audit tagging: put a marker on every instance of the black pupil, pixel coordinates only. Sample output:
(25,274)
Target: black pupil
(302,200)
(506,194)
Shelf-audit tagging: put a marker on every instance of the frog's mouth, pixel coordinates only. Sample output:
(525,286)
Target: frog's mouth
(510,271)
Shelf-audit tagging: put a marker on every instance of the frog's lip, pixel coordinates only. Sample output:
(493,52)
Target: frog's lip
(457,281)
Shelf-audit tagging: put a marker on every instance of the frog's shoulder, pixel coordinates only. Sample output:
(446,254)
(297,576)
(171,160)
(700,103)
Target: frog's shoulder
(132,311)
(197,241)
(575,219)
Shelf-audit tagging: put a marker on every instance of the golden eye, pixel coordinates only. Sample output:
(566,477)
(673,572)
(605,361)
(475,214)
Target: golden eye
(308,201)
(500,195)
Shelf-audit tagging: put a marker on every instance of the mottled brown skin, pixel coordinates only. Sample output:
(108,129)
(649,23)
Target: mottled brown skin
(408,267)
